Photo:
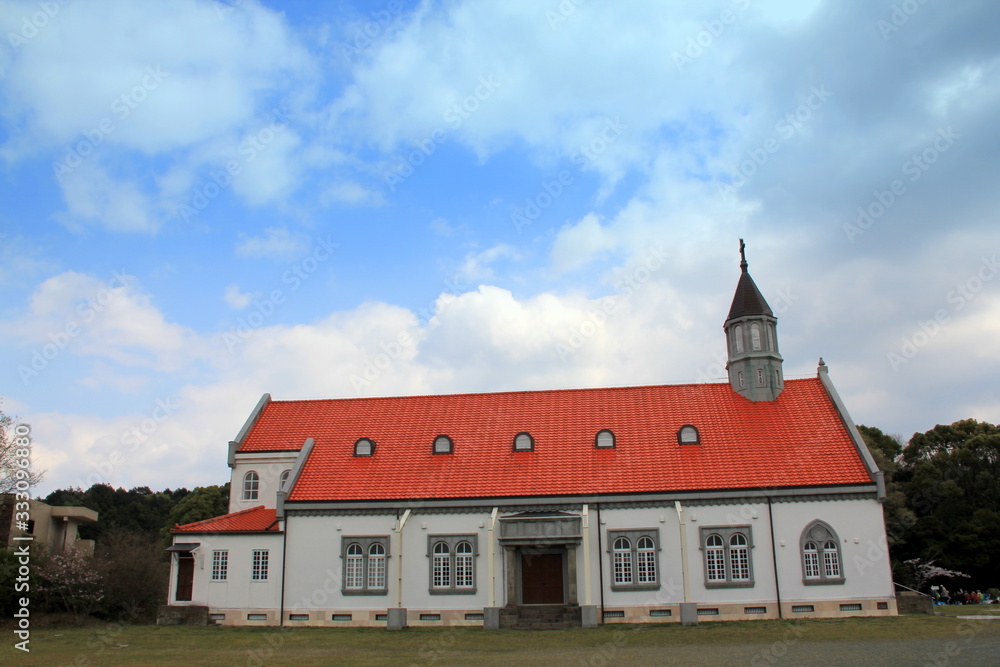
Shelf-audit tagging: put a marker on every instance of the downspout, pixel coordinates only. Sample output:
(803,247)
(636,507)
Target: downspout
(284,566)
(774,556)
(682,522)
(586,555)
(600,561)
(490,552)
(399,548)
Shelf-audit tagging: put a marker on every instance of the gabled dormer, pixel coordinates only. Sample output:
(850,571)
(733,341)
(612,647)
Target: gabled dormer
(754,364)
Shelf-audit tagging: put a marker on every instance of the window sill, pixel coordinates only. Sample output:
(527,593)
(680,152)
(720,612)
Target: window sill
(451,591)
(635,587)
(366,591)
(729,584)
(823,582)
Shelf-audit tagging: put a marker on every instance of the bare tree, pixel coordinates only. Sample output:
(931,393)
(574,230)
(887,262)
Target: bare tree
(17,472)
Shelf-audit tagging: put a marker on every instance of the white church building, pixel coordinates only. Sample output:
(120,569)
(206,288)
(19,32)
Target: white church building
(754,498)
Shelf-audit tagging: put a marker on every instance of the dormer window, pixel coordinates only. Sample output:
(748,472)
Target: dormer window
(443,445)
(604,439)
(523,442)
(688,435)
(364,447)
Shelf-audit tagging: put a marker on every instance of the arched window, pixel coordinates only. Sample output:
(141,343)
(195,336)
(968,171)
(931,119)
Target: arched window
(464,577)
(646,560)
(443,445)
(364,447)
(442,566)
(376,566)
(251,486)
(622,561)
(755,336)
(283,479)
(688,435)
(821,561)
(739,557)
(760,376)
(810,560)
(728,556)
(742,381)
(604,439)
(523,442)
(738,338)
(354,569)
(715,564)
(770,337)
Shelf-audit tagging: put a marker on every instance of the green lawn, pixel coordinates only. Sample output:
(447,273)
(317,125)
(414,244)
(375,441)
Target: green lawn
(610,644)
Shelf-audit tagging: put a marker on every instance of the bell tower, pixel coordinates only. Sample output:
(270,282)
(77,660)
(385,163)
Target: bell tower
(754,363)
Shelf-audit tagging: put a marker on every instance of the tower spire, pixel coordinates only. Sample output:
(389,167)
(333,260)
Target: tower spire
(754,364)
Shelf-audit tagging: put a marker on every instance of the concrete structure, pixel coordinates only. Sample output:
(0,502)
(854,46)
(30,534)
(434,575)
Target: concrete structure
(672,503)
(55,527)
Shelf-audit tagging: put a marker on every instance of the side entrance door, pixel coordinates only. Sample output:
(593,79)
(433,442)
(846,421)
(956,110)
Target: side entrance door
(185,577)
(542,578)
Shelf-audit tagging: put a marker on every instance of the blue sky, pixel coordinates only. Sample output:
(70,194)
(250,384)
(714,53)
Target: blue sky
(207,201)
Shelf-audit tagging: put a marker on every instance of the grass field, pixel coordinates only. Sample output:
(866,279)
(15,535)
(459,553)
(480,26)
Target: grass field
(750,642)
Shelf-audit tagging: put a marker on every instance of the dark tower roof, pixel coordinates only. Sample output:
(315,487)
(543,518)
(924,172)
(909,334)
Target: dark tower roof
(748,300)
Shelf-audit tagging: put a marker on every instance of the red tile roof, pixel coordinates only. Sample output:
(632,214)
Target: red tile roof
(258,519)
(797,440)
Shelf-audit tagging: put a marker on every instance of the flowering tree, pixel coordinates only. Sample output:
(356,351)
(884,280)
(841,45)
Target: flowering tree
(12,454)
(923,572)
(73,579)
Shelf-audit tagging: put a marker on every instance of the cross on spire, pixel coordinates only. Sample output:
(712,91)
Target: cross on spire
(743,256)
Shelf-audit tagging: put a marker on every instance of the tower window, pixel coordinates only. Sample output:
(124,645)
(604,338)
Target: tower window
(738,339)
(741,380)
(755,336)
(770,337)
(760,376)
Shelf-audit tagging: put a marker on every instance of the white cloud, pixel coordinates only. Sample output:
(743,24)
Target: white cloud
(276,243)
(352,194)
(235,298)
(477,266)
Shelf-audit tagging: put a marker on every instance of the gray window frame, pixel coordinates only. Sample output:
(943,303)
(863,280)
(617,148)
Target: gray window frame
(452,540)
(633,535)
(820,542)
(726,533)
(365,542)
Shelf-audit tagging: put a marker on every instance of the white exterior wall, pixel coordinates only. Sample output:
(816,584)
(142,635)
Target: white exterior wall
(864,552)
(269,468)
(239,594)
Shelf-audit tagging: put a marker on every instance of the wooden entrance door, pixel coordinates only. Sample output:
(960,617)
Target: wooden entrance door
(542,578)
(185,578)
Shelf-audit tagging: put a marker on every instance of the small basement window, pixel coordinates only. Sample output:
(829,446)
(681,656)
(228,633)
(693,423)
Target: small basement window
(523,442)
(688,435)
(443,445)
(605,439)
(364,447)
